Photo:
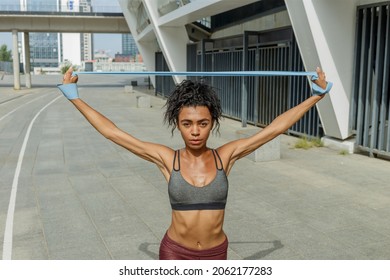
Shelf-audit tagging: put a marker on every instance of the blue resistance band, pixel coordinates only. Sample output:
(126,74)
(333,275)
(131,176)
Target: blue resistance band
(207,74)
(71,92)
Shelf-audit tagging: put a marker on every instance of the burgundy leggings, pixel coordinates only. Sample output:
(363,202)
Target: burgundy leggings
(171,250)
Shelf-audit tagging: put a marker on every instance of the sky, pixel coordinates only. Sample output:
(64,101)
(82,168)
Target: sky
(111,43)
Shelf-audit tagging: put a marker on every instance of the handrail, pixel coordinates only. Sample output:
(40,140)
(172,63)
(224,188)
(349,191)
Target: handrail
(51,8)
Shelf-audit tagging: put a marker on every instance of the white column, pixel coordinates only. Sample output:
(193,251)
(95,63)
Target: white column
(147,47)
(325,31)
(15,57)
(172,40)
(27,66)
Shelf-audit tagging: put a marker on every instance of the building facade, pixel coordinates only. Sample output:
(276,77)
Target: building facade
(77,47)
(86,39)
(45,48)
(348,39)
(129,47)
(52,49)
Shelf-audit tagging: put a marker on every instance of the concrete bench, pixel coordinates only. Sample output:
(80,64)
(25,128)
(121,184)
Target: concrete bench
(268,152)
(129,89)
(143,101)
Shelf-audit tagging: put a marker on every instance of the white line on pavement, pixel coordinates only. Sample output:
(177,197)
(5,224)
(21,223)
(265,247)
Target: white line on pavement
(8,233)
(17,108)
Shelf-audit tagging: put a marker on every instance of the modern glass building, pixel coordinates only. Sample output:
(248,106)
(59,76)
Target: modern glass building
(45,51)
(9,5)
(86,39)
(129,47)
(51,49)
(45,48)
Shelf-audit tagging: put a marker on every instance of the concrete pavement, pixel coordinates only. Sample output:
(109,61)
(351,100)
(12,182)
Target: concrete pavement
(81,197)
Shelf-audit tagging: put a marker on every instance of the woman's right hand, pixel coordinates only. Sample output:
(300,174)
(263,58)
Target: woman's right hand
(70,77)
(69,86)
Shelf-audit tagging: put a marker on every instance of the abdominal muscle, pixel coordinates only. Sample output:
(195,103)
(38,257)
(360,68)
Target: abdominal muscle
(197,229)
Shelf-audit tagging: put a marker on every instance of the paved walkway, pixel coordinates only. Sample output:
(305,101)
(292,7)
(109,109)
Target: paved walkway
(81,197)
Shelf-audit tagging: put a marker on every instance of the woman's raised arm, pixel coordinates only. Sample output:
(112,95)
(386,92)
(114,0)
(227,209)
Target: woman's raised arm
(161,155)
(235,150)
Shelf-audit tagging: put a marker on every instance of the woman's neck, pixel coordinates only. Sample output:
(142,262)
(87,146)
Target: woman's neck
(195,153)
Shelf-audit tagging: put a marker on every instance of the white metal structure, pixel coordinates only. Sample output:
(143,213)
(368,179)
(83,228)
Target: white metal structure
(167,32)
(325,31)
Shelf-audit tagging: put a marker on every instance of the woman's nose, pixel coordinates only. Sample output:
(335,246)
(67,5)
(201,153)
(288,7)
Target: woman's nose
(195,130)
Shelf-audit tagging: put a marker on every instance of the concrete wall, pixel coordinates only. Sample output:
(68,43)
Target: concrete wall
(277,20)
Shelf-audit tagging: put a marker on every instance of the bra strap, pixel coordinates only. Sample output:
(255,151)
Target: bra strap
(178,160)
(215,158)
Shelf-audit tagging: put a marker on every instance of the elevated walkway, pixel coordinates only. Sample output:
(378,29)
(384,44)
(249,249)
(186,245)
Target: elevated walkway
(63,22)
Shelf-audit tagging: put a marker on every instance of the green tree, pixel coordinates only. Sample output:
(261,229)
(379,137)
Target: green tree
(5,54)
(66,66)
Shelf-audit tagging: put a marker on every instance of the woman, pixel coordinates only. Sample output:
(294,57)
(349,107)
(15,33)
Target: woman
(196,174)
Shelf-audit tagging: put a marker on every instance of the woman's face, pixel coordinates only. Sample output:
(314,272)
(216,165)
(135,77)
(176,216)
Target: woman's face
(195,124)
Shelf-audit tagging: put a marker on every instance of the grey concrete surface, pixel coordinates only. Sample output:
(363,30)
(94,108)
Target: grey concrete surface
(81,197)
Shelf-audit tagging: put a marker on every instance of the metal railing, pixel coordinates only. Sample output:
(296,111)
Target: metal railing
(267,97)
(142,18)
(58,8)
(370,107)
(6,67)
(167,6)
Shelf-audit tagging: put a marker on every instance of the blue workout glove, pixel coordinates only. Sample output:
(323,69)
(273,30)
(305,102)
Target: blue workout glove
(319,90)
(69,90)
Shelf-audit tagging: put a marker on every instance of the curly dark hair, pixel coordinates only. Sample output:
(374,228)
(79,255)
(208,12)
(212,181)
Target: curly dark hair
(192,93)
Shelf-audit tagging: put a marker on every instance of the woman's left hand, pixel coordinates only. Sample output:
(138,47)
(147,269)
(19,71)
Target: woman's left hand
(320,86)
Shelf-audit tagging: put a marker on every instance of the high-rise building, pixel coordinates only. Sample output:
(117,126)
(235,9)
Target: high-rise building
(52,49)
(129,46)
(71,42)
(45,48)
(86,39)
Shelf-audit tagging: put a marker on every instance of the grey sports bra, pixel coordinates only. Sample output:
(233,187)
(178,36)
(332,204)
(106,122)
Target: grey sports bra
(184,196)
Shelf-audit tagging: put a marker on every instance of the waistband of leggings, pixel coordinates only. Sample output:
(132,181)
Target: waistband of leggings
(214,250)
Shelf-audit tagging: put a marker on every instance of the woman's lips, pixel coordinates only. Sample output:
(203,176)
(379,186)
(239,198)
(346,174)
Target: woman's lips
(195,141)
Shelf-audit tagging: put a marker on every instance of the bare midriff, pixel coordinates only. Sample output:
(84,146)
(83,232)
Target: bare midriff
(197,229)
